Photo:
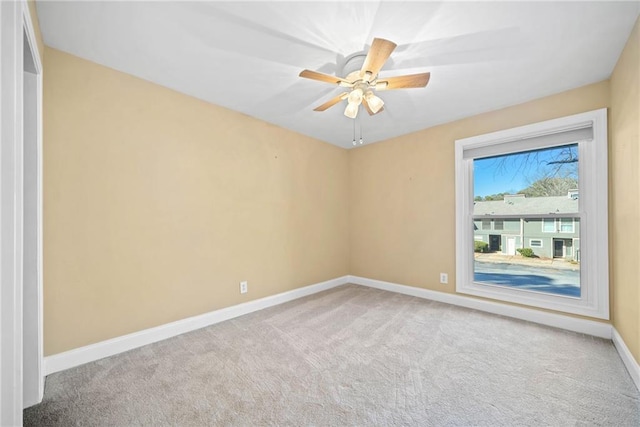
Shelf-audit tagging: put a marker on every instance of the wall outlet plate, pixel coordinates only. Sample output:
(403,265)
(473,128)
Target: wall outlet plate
(444,278)
(244,287)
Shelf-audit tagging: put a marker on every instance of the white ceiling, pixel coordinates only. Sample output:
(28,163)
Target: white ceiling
(246,56)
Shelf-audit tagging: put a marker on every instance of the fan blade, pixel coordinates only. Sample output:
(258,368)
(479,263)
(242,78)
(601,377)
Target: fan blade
(314,75)
(378,54)
(366,107)
(404,82)
(331,102)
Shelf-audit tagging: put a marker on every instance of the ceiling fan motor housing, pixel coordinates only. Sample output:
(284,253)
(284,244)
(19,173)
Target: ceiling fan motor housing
(352,66)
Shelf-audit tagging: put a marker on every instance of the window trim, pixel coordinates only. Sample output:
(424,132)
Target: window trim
(594,244)
(555,227)
(536,240)
(573,226)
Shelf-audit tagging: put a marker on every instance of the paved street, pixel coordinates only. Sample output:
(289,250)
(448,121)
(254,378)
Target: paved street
(556,263)
(560,281)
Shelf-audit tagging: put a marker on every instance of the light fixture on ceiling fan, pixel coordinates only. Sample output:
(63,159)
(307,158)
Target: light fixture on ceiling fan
(359,95)
(365,81)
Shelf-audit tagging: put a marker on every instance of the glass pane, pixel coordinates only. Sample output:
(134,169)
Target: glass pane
(549,225)
(566,225)
(517,247)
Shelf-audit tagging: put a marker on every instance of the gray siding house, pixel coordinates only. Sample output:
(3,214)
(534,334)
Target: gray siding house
(509,224)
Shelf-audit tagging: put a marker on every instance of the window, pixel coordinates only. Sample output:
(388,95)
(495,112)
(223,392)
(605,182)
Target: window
(549,225)
(543,177)
(564,162)
(566,225)
(486,224)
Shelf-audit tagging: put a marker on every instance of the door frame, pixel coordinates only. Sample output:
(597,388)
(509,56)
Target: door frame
(15,19)
(555,241)
(33,304)
(498,239)
(513,239)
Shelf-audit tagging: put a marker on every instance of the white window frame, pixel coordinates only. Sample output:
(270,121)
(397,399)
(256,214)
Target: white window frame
(573,226)
(555,227)
(593,205)
(536,240)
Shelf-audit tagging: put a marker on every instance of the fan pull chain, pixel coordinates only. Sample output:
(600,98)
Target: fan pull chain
(354,133)
(360,124)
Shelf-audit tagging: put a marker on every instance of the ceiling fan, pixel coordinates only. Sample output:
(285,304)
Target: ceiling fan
(364,81)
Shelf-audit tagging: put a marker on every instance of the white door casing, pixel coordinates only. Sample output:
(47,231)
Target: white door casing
(33,374)
(15,28)
(11,39)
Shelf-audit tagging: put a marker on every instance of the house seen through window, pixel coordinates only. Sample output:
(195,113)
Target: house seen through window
(530,197)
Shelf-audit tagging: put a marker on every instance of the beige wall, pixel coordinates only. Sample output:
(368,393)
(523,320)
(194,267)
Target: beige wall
(402,211)
(156,205)
(624,196)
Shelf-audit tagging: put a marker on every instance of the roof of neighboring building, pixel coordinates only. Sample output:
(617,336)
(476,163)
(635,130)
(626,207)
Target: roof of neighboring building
(533,205)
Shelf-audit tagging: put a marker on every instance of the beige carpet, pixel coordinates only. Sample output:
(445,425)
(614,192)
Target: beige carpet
(352,356)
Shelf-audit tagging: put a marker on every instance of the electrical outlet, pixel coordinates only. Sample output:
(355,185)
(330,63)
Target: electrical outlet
(444,278)
(244,287)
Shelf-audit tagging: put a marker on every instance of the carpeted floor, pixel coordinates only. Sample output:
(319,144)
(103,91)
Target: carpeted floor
(352,356)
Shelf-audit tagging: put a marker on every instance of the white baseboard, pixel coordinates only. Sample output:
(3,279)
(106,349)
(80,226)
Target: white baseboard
(627,358)
(589,327)
(69,359)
